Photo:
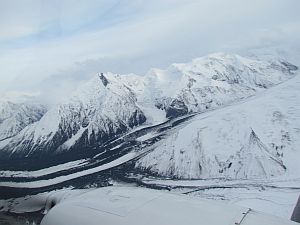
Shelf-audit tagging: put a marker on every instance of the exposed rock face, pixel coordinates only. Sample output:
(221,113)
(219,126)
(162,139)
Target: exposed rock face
(173,108)
(103,79)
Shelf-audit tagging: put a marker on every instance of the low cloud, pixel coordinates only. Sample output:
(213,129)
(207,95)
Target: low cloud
(63,43)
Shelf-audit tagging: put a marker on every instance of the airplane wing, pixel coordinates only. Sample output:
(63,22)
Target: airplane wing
(139,206)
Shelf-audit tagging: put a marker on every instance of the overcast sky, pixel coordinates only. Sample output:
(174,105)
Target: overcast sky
(52,46)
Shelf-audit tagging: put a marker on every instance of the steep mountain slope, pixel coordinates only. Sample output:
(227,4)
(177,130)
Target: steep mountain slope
(258,138)
(212,81)
(98,110)
(110,105)
(16,116)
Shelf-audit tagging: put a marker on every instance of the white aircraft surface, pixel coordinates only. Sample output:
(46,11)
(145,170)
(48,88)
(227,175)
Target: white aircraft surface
(139,206)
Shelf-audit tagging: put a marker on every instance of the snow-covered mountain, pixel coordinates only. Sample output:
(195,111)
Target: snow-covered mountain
(97,111)
(16,116)
(212,81)
(255,138)
(110,105)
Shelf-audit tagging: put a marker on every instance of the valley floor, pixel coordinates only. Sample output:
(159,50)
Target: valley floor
(277,197)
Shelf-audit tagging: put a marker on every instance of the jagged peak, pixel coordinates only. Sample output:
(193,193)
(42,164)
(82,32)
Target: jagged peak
(103,79)
(253,135)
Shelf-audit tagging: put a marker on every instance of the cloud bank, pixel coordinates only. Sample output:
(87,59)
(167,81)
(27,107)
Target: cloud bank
(52,46)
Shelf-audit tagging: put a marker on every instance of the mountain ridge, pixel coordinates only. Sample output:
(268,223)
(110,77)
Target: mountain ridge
(262,130)
(110,105)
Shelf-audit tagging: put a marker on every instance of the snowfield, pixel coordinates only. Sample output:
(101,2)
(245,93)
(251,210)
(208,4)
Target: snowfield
(258,138)
(61,179)
(43,172)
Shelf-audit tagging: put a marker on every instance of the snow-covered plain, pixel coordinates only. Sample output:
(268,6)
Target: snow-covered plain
(274,196)
(274,201)
(43,172)
(61,179)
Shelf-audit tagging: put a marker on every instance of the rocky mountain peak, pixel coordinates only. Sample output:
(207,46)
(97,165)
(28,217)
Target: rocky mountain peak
(103,79)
